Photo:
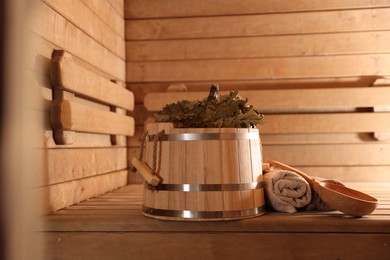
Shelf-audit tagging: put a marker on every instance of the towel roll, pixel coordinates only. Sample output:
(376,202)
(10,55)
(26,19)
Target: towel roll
(286,191)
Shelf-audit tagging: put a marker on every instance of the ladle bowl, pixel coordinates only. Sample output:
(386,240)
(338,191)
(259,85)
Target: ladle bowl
(338,197)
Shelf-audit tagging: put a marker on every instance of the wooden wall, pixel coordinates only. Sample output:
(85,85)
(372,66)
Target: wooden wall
(92,31)
(250,44)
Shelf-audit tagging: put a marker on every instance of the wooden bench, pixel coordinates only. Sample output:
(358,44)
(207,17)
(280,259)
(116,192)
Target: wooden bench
(111,226)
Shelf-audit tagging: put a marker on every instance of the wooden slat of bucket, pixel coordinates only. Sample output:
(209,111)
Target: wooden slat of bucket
(213,169)
(245,168)
(163,155)
(149,196)
(177,173)
(194,173)
(232,199)
(257,169)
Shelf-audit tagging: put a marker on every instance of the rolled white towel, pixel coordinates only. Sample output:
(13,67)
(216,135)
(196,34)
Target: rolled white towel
(286,191)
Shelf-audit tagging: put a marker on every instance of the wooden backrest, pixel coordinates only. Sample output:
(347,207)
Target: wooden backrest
(70,79)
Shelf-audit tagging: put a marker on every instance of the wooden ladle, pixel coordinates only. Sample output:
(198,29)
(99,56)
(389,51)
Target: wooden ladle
(338,197)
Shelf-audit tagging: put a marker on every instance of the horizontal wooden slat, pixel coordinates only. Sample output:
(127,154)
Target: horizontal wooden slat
(140,90)
(62,195)
(135,9)
(90,23)
(57,30)
(350,173)
(210,245)
(330,155)
(255,25)
(326,123)
(78,117)
(108,14)
(257,69)
(287,99)
(70,76)
(62,165)
(317,138)
(260,47)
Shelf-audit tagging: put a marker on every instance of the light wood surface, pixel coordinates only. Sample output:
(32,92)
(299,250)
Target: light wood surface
(287,99)
(56,29)
(90,23)
(259,47)
(253,25)
(156,9)
(108,14)
(70,76)
(256,69)
(117,217)
(78,117)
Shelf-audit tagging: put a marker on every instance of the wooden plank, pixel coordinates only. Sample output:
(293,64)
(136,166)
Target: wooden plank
(81,140)
(287,99)
(313,138)
(90,23)
(56,29)
(258,69)
(141,89)
(135,9)
(256,25)
(325,123)
(62,165)
(330,155)
(57,196)
(119,6)
(78,117)
(350,173)
(259,47)
(108,14)
(70,76)
(209,245)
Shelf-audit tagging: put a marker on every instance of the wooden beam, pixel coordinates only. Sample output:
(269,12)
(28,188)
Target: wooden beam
(57,30)
(259,25)
(135,9)
(78,117)
(287,99)
(259,69)
(260,47)
(330,155)
(326,123)
(70,76)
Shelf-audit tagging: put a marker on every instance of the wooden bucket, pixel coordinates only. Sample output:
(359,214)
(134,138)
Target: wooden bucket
(207,174)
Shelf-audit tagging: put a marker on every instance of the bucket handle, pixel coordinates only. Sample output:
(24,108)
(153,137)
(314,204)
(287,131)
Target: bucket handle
(149,175)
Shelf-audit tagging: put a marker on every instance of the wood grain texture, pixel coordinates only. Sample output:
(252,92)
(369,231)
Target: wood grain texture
(62,165)
(259,47)
(330,155)
(256,25)
(78,117)
(56,196)
(89,23)
(136,9)
(68,75)
(258,69)
(106,11)
(326,123)
(210,245)
(56,29)
(287,99)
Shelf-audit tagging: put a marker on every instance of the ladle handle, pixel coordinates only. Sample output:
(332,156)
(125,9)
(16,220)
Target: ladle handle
(283,166)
